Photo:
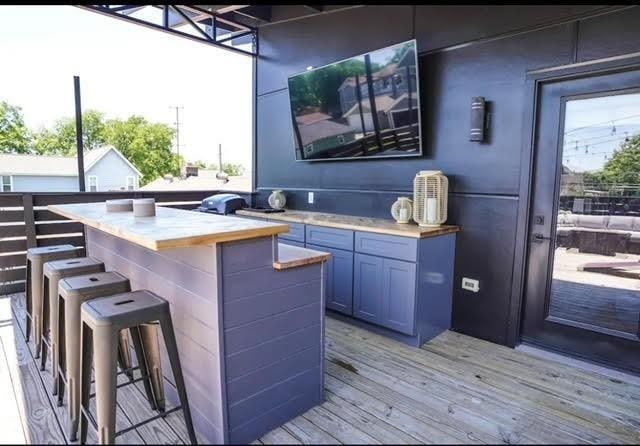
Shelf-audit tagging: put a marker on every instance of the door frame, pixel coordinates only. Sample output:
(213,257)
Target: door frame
(534,80)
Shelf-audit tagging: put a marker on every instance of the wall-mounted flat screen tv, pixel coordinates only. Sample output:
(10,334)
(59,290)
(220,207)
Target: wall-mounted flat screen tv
(366,106)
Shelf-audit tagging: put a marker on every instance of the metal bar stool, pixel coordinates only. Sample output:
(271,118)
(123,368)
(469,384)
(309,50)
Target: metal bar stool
(53,272)
(73,291)
(102,320)
(36,258)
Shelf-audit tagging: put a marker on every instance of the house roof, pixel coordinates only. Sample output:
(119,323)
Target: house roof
(385,71)
(322,129)
(206,180)
(383,103)
(61,166)
(310,118)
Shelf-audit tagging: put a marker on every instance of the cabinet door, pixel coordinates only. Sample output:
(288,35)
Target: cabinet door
(367,289)
(398,295)
(339,279)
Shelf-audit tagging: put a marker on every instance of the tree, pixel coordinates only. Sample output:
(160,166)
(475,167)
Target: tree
(62,139)
(233,170)
(624,166)
(146,145)
(14,135)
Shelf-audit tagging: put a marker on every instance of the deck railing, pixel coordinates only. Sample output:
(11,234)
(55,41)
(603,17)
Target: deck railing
(25,222)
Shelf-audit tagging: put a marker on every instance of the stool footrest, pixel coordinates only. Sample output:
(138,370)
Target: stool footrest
(128,383)
(148,420)
(89,416)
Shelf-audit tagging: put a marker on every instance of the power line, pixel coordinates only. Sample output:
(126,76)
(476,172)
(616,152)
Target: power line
(599,123)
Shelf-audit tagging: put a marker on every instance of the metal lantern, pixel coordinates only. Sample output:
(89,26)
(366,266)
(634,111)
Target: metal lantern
(277,200)
(430,192)
(402,210)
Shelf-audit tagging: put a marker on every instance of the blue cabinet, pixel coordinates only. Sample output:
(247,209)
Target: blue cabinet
(367,288)
(338,279)
(296,231)
(384,292)
(399,295)
(331,237)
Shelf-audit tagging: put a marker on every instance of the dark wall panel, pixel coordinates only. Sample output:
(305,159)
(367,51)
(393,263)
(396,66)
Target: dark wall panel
(610,35)
(289,48)
(442,26)
(485,251)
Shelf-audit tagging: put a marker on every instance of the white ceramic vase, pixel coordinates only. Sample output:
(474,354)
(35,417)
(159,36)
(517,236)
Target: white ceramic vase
(277,200)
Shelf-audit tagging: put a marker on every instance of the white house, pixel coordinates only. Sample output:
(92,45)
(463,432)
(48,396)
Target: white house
(105,169)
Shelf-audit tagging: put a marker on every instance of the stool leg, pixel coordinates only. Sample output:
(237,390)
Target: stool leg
(151,344)
(28,296)
(72,334)
(62,357)
(141,357)
(45,323)
(105,347)
(124,355)
(54,312)
(174,359)
(86,361)
(36,316)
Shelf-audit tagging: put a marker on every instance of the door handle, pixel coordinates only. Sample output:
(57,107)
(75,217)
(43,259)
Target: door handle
(539,238)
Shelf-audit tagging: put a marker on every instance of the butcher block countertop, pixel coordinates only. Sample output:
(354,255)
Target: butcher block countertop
(378,225)
(170,228)
(293,256)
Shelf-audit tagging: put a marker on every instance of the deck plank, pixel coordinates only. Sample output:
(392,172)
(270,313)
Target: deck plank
(455,389)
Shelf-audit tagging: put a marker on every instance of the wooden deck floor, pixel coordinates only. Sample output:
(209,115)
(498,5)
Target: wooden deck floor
(455,389)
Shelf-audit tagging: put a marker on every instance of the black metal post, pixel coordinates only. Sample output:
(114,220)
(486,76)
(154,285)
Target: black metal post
(79,142)
(359,99)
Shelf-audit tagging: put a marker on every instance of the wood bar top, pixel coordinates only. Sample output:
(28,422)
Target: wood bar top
(170,228)
(293,256)
(378,225)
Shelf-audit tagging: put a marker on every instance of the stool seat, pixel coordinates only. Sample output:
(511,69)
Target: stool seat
(102,319)
(49,252)
(88,286)
(126,309)
(34,296)
(54,271)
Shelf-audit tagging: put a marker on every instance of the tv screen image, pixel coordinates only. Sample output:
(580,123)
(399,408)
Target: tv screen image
(367,106)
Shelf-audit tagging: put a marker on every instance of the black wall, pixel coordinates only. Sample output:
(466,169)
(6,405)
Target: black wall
(464,51)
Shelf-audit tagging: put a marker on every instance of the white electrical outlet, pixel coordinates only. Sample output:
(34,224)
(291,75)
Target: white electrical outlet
(310,198)
(470,284)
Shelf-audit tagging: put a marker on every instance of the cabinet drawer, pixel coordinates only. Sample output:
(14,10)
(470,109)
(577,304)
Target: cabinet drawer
(331,237)
(392,246)
(296,231)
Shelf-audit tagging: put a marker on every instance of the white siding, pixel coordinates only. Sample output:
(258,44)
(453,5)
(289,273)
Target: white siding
(112,172)
(41,183)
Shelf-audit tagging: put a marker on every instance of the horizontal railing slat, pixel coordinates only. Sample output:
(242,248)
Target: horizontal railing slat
(58,228)
(10,275)
(16,230)
(76,240)
(11,216)
(13,260)
(47,215)
(10,200)
(12,288)
(13,245)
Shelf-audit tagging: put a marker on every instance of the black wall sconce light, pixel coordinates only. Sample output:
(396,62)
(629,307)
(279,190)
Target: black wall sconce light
(479,119)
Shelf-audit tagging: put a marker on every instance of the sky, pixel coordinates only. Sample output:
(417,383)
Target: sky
(595,127)
(126,69)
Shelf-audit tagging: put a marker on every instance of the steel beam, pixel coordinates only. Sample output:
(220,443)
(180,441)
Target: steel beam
(190,15)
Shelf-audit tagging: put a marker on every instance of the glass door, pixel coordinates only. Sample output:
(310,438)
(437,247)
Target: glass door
(583,289)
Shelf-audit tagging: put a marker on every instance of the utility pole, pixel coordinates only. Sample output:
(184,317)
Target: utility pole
(177,124)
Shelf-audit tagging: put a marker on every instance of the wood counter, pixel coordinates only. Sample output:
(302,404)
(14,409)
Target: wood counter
(377,225)
(170,228)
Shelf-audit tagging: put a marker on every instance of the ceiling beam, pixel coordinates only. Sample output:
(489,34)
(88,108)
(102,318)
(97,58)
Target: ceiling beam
(261,13)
